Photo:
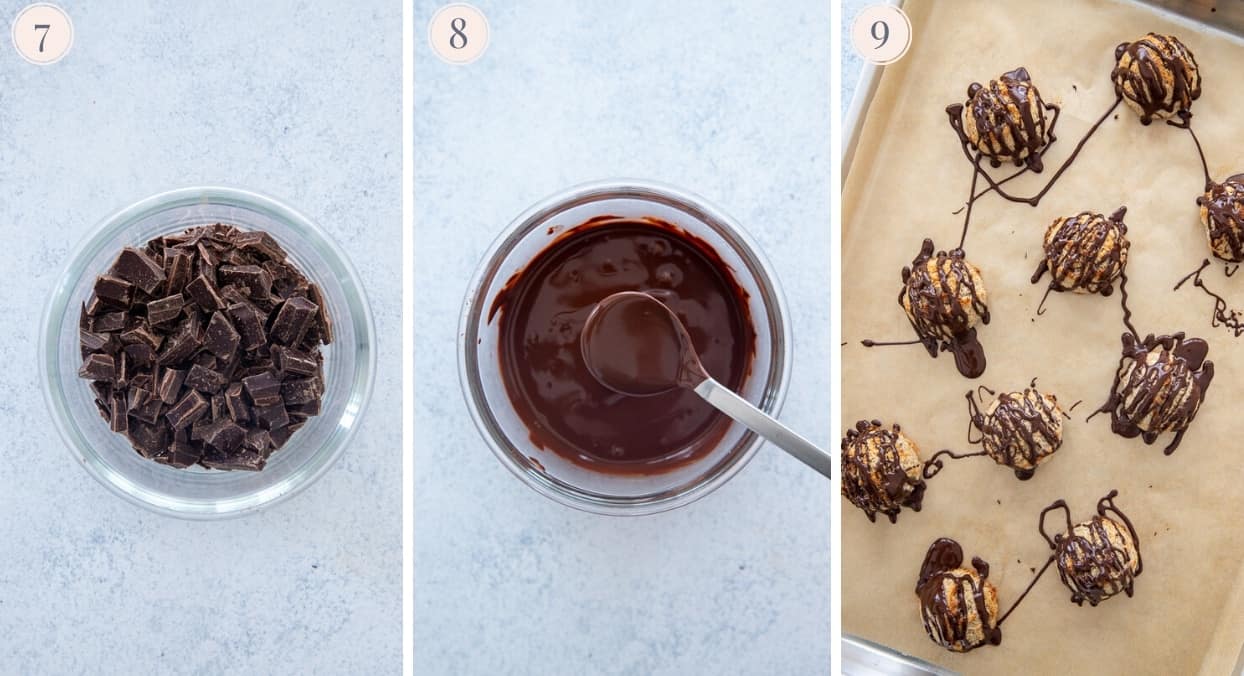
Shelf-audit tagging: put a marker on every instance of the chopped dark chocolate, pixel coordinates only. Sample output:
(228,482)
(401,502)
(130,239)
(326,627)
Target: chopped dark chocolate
(292,320)
(164,309)
(205,380)
(187,411)
(249,324)
(256,280)
(99,367)
(205,294)
(113,291)
(272,417)
(204,347)
(264,389)
(108,322)
(221,339)
(139,269)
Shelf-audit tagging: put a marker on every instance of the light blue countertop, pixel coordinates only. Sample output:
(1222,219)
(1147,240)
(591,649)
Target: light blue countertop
(726,99)
(271,96)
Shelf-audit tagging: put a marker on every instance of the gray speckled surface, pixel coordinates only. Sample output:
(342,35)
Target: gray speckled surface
(303,105)
(851,61)
(730,100)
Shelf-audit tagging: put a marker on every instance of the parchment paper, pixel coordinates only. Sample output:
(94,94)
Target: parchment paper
(907,177)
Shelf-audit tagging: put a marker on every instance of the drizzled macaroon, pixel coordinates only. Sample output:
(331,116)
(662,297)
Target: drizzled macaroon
(1085,253)
(1005,120)
(1020,430)
(1158,77)
(881,470)
(958,605)
(1222,214)
(944,298)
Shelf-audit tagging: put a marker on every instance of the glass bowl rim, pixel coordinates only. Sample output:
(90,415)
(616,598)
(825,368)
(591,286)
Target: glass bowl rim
(66,425)
(695,205)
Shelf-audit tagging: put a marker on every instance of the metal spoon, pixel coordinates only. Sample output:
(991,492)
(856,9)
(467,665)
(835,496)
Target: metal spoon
(635,345)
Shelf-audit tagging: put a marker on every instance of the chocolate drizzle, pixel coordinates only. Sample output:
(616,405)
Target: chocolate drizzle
(1159,386)
(944,298)
(1098,558)
(958,606)
(1222,214)
(1084,253)
(1233,320)
(1159,78)
(878,470)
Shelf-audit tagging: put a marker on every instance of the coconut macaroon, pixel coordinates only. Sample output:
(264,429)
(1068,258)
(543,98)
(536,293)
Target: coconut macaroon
(881,470)
(1020,430)
(1085,253)
(958,605)
(945,298)
(1158,77)
(1098,558)
(1222,214)
(1159,387)
(1005,120)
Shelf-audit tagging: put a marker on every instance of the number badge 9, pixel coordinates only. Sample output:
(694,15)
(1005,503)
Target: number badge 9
(881,34)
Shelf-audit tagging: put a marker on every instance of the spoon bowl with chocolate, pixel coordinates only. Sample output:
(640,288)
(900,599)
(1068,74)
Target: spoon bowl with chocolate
(527,385)
(207,352)
(634,345)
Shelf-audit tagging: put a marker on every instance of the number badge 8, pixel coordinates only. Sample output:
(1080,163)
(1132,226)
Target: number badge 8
(458,33)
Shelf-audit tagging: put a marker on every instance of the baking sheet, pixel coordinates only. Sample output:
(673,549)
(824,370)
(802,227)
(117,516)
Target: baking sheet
(904,181)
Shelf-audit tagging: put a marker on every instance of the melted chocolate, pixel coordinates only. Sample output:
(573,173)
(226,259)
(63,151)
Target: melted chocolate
(938,317)
(1223,315)
(543,309)
(633,345)
(1152,60)
(895,490)
(950,629)
(1085,252)
(1164,395)
(1092,567)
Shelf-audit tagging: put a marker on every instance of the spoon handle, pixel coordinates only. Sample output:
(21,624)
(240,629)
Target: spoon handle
(741,410)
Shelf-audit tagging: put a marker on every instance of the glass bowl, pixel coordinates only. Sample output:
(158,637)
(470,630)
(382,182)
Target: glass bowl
(197,493)
(494,414)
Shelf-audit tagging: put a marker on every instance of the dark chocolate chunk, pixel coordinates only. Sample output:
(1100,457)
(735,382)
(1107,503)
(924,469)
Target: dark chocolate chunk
(164,309)
(205,294)
(219,412)
(281,435)
(140,355)
(108,322)
(235,401)
(144,405)
(177,264)
(113,291)
(180,455)
(249,324)
(98,367)
(191,408)
(259,242)
(256,280)
(289,360)
(304,411)
(205,380)
(264,389)
(301,391)
(324,324)
(245,460)
(221,339)
(292,320)
(272,417)
(94,342)
(149,440)
(170,385)
(258,440)
(142,334)
(226,437)
(118,420)
(139,269)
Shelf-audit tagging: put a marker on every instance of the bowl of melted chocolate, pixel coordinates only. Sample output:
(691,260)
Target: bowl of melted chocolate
(207,352)
(535,401)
